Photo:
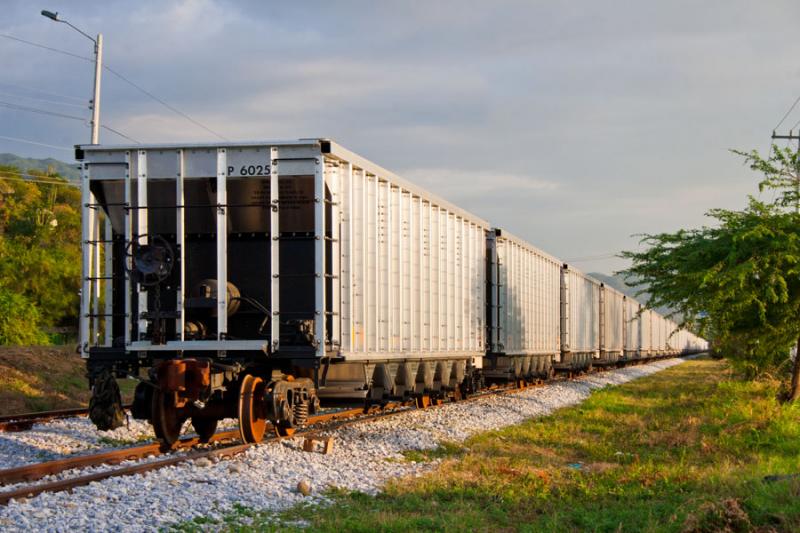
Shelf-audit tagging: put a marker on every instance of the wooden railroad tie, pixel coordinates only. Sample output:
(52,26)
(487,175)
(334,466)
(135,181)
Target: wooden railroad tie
(310,442)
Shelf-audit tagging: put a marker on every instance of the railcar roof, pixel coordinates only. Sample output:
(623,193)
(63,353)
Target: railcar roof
(327,147)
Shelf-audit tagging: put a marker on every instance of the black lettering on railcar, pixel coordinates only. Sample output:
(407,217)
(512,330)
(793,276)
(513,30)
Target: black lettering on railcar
(251,170)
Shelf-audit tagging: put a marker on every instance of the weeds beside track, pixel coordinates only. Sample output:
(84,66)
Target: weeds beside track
(691,448)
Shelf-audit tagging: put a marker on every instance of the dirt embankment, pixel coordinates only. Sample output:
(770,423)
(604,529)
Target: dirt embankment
(38,378)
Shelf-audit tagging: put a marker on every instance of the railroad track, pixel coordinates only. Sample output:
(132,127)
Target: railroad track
(37,471)
(25,421)
(225,450)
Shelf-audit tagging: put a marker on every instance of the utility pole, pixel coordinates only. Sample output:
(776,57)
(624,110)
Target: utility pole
(793,137)
(98,71)
(90,221)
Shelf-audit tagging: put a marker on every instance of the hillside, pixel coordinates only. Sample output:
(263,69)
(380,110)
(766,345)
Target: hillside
(618,282)
(50,165)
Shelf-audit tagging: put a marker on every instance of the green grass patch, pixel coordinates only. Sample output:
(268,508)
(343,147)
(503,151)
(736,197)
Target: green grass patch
(117,443)
(445,450)
(687,449)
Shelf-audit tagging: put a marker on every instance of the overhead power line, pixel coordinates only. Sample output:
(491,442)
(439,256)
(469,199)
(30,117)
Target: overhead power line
(19,107)
(165,104)
(787,114)
(17,86)
(45,47)
(46,100)
(59,115)
(112,130)
(123,78)
(17,139)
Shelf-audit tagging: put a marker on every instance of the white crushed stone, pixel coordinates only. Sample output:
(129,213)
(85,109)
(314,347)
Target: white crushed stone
(266,477)
(64,437)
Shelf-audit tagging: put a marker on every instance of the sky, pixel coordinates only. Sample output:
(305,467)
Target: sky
(574,125)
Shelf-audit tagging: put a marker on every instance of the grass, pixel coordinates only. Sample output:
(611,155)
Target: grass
(120,443)
(41,378)
(687,449)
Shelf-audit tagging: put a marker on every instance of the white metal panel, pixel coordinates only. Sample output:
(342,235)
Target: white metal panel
(128,239)
(346,280)
(371,210)
(632,318)
(584,308)
(319,258)
(422,277)
(645,330)
(658,332)
(613,324)
(527,297)
(334,277)
(222,244)
(274,249)
(87,224)
(180,237)
(142,214)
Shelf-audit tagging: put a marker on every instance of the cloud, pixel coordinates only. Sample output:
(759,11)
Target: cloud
(452,182)
(571,125)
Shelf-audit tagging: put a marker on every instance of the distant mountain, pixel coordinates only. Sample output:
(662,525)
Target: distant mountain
(618,282)
(50,165)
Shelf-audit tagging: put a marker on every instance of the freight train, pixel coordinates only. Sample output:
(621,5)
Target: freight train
(259,280)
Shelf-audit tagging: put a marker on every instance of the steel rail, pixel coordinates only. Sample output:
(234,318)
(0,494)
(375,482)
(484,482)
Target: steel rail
(70,483)
(24,421)
(36,471)
(40,470)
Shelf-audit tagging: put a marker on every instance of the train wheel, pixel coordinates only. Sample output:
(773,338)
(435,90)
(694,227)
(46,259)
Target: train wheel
(167,418)
(205,427)
(252,422)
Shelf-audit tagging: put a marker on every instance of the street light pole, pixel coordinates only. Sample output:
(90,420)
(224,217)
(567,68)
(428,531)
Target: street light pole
(90,221)
(98,70)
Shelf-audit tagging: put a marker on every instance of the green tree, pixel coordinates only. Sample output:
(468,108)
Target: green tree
(39,255)
(738,280)
(19,320)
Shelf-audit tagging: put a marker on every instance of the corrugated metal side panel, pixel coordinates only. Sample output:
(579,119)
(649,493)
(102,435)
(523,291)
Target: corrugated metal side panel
(684,343)
(529,298)
(673,339)
(584,308)
(646,329)
(417,271)
(614,301)
(658,332)
(655,331)
(632,337)
(669,328)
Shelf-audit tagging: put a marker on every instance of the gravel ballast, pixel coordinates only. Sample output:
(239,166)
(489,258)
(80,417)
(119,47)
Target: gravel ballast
(266,477)
(67,437)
